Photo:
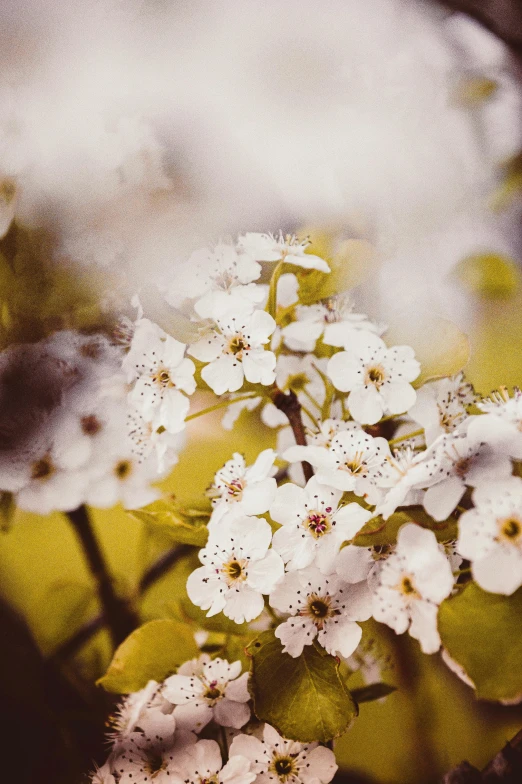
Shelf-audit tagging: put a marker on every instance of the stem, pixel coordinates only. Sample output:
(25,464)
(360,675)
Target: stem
(290,405)
(271,305)
(118,615)
(406,437)
(159,568)
(221,404)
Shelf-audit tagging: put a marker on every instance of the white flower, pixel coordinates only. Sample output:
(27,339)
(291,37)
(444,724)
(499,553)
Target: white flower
(202,764)
(118,475)
(377,378)
(397,479)
(163,376)
(453,462)
(150,443)
(490,535)
(238,568)
(441,406)
(235,351)
(132,713)
(249,490)
(333,319)
(350,462)
(278,761)
(410,584)
(103,775)
(205,689)
(320,606)
(151,755)
(313,525)
(501,425)
(267,247)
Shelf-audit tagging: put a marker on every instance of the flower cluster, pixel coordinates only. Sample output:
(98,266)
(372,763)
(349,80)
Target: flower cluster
(155,735)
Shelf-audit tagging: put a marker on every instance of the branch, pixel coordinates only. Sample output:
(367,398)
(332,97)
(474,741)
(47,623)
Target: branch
(158,569)
(506,767)
(117,614)
(290,405)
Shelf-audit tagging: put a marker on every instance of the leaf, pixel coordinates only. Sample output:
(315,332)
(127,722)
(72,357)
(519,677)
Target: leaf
(304,698)
(374,691)
(349,265)
(184,526)
(491,275)
(483,633)
(439,345)
(65,607)
(152,652)
(378,532)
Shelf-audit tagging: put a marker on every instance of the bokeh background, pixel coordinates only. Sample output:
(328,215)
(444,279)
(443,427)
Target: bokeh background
(131,133)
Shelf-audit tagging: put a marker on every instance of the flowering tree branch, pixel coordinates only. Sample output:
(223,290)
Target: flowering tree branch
(505,766)
(155,572)
(117,614)
(290,405)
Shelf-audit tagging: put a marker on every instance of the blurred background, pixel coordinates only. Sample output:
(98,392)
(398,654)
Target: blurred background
(133,132)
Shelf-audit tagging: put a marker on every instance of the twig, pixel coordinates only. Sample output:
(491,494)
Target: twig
(158,569)
(506,766)
(290,405)
(118,615)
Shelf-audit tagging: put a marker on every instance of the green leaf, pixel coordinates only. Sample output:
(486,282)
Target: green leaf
(491,275)
(186,526)
(378,532)
(152,652)
(64,608)
(374,691)
(483,633)
(349,266)
(304,698)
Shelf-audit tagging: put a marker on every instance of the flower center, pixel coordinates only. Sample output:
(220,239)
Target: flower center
(355,465)
(90,425)
(407,587)
(236,346)
(319,608)
(284,767)
(42,469)
(511,528)
(318,523)
(155,764)
(213,693)
(235,489)
(122,469)
(462,467)
(162,378)
(235,571)
(375,375)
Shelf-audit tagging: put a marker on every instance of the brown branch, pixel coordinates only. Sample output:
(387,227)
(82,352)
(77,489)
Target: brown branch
(290,405)
(117,613)
(506,766)
(158,569)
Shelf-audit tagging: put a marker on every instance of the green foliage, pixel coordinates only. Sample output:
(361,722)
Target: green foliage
(374,691)
(303,698)
(379,532)
(7,510)
(186,526)
(491,275)
(152,652)
(349,264)
(66,606)
(483,633)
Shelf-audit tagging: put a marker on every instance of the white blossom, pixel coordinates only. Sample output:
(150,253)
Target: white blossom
(377,377)
(313,526)
(151,755)
(322,607)
(205,689)
(441,406)
(409,585)
(162,376)
(246,489)
(133,714)
(234,350)
(278,761)
(267,247)
(238,568)
(501,424)
(332,319)
(490,535)
(103,775)
(201,763)
(350,462)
